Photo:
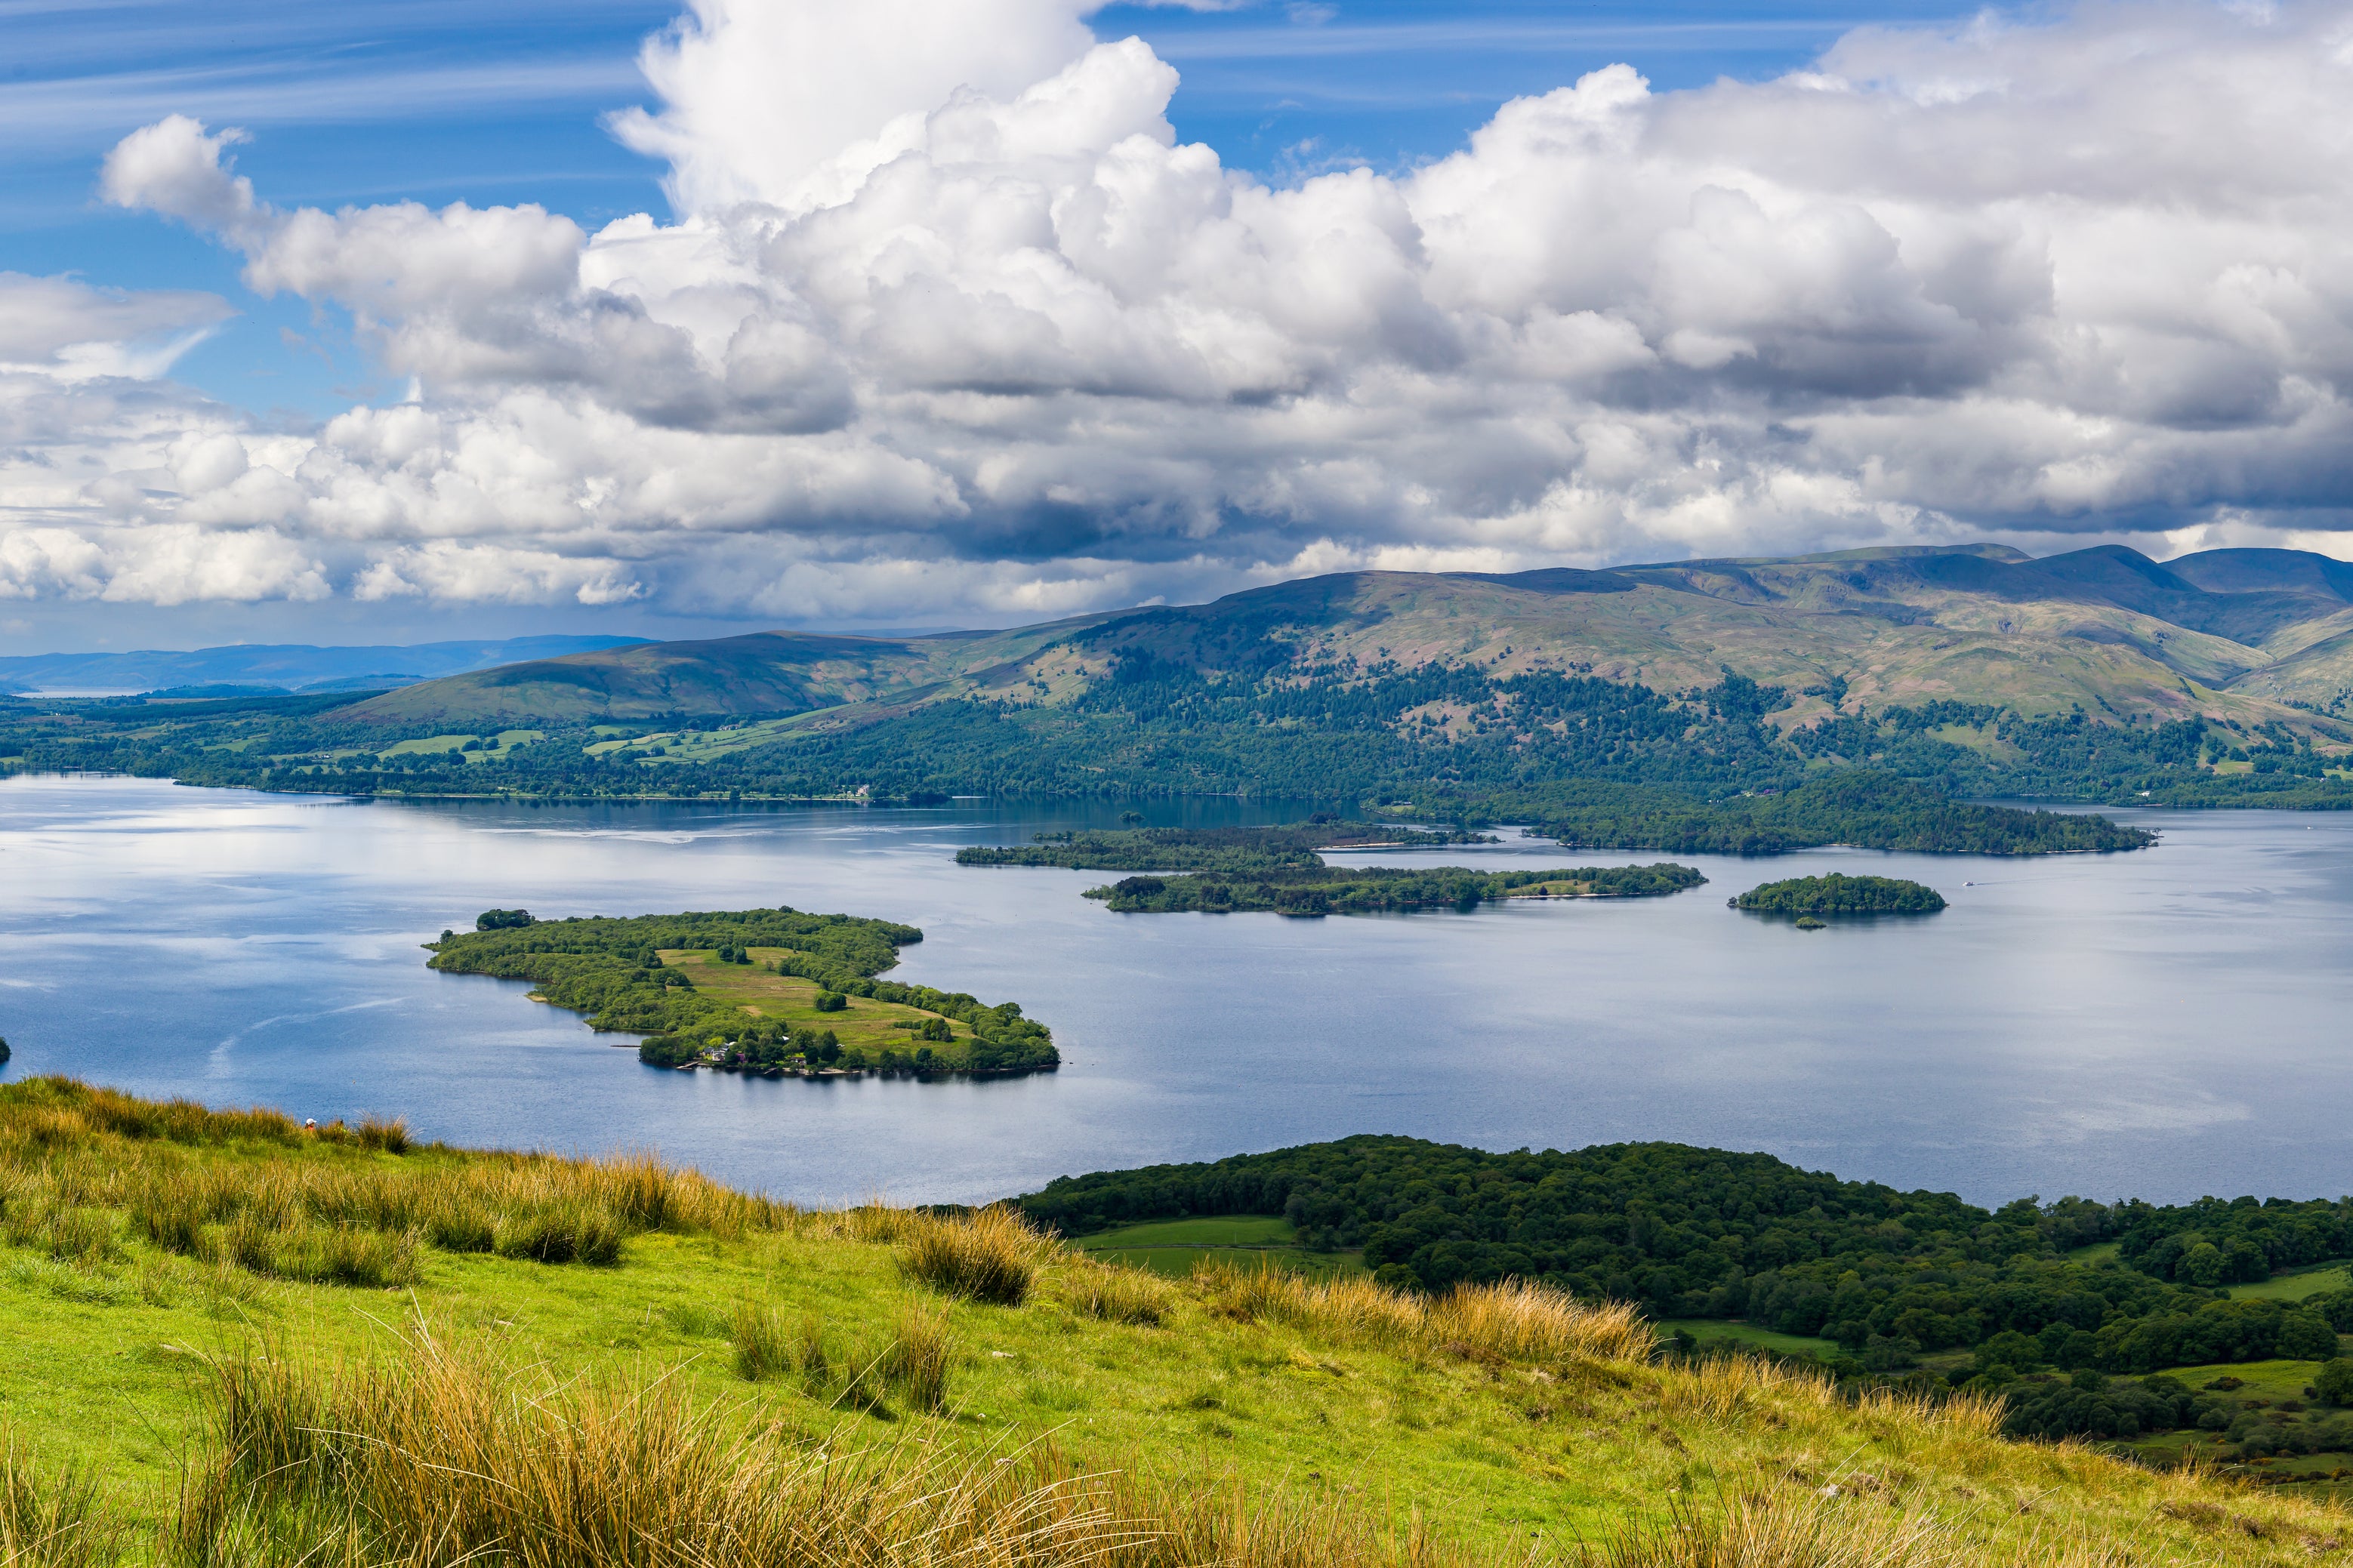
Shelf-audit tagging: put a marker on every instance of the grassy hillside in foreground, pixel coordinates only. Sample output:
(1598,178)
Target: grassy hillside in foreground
(261,1346)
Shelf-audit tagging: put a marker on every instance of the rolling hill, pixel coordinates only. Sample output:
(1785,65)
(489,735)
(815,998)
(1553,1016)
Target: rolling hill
(291,667)
(2255,635)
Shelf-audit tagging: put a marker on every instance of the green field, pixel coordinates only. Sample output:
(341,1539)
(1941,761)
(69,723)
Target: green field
(1712,1330)
(1178,1246)
(2297,1284)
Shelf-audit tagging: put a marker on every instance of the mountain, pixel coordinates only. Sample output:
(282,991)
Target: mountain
(288,667)
(761,673)
(2253,636)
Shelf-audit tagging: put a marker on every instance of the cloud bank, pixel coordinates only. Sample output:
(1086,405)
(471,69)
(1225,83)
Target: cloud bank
(947,322)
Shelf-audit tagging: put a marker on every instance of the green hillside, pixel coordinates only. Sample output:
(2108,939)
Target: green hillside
(2098,676)
(238,1342)
(2106,629)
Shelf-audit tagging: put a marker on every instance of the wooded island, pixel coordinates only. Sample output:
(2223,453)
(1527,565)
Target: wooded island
(775,992)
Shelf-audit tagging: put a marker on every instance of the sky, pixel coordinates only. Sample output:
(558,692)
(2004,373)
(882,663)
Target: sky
(389,322)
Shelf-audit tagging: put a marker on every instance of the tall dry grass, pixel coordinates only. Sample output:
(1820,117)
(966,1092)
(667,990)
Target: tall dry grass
(54,1521)
(1802,1530)
(436,1457)
(1116,1295)
(1513,1321)
(990,1254)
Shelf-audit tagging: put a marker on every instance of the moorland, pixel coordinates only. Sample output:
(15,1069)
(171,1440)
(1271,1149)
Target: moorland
(244,1342)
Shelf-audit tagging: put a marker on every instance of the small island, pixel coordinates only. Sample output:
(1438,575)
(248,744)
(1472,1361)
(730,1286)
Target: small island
(1346,890)
(1236,851)
(1811,897)
(773,992)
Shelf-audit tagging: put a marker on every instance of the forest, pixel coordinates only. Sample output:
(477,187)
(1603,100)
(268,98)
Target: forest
(1838,894)
(1610,763)
(613,972)
(1361,891)
(1890,1277)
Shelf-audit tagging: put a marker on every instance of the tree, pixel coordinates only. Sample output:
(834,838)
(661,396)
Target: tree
(2335,1383)
(2305,1335)
(2203,1265)
(503,919)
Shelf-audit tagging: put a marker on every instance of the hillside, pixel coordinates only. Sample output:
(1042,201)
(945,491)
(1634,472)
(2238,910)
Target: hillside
(2238,633)
(238,1342)
(291,666)
(1651,707)
(761,673)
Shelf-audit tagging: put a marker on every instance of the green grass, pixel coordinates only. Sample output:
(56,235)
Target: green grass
(1216,1230)
(1712,1329)
(2297,1284)
(862,1022)
(1178,1246)
(1515,1431)
(2098,1252)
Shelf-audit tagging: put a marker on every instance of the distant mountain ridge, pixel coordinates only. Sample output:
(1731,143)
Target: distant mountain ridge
(2252,635)
(293,666)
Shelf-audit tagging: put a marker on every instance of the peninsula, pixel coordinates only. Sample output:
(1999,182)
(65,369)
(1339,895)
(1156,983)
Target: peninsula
(1237,851)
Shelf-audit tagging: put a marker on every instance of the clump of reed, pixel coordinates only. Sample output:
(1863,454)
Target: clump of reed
(388,1134)
(989,1254)
(762,1349)
(54,1521)
(1785,1530)
(1116,1295)
(917,1362)
(1515,1321)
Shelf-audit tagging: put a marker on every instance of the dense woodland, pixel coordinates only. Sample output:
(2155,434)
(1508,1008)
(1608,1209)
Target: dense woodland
(612,971)
(1890,1277)
(1354,890)
(1838,894)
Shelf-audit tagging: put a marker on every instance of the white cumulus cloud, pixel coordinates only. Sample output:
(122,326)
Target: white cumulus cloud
(946,320)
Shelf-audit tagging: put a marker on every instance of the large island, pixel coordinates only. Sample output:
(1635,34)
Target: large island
(775,992)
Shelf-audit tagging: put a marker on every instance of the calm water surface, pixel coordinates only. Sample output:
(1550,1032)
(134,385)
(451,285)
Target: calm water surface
(2163,1024)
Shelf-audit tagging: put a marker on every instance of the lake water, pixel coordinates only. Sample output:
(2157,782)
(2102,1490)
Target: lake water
(2163,1024)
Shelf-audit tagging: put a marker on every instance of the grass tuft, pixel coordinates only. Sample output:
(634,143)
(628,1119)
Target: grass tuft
(916,1365)
(763,1350)
(53,1522)
(990,1254)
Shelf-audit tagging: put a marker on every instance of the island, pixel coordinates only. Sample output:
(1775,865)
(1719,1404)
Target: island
(773,992)
(1352,890)
(1236,851)
(1810,898)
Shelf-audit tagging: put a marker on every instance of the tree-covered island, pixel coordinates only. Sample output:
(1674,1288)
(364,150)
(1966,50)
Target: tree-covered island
(1354,890)
(1236,851)
(775,992)
(1838,894)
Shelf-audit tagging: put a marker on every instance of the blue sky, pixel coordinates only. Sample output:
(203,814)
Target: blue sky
(951,334)
(498,102)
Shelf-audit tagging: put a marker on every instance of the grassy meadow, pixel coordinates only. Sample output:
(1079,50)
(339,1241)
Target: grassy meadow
(861,1021)
(1179,1247)
(234,1343)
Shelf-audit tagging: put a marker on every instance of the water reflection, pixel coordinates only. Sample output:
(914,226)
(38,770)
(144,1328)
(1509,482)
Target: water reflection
(2164,1023)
